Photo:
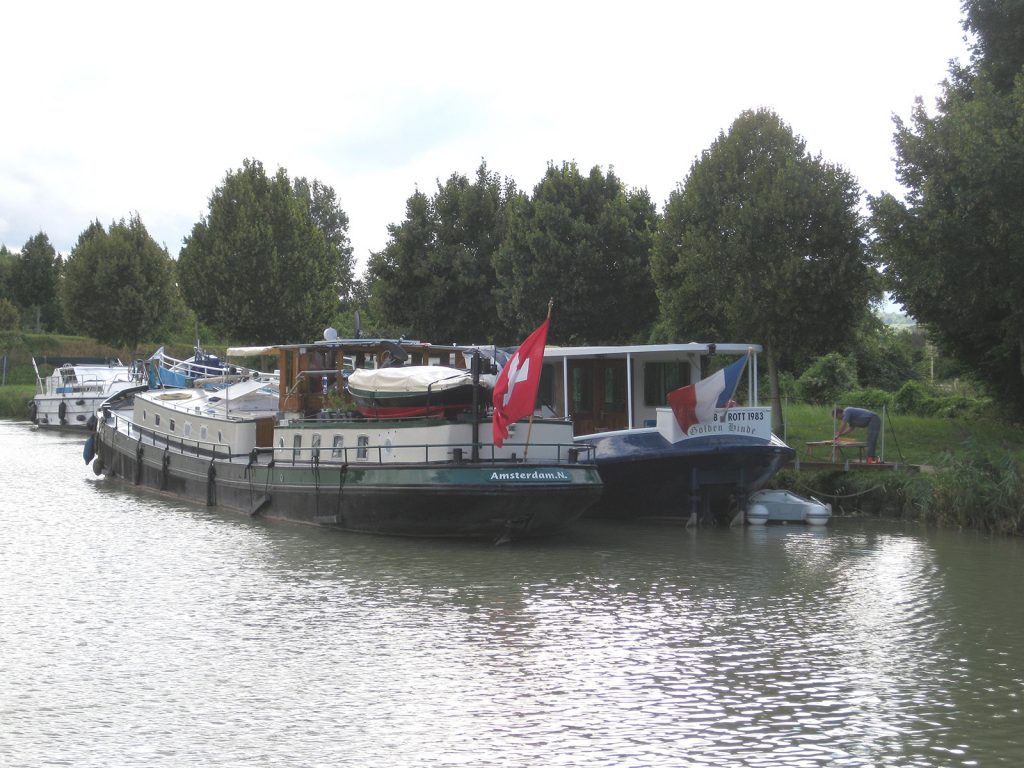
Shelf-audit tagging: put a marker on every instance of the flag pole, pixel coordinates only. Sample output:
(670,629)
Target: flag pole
(529,429)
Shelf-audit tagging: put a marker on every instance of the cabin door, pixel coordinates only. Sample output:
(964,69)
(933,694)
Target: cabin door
(597,389)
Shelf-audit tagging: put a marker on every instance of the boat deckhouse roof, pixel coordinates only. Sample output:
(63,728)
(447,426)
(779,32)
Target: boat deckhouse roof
(347,344)
(650,350)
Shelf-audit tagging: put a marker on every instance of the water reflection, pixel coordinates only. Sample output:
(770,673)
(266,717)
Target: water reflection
(146,631)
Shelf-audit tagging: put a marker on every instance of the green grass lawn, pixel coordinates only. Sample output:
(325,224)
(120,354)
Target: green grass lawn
(910,439)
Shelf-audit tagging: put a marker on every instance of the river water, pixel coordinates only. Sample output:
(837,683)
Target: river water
(138,631)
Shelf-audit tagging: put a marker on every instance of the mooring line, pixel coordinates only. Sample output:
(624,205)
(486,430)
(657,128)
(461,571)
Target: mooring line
(841,496)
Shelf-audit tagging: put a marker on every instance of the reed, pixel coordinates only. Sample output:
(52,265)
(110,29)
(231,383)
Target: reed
(14,400)
(979,490)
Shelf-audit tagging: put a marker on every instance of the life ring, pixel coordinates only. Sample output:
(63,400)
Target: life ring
(32,409)
(62,412)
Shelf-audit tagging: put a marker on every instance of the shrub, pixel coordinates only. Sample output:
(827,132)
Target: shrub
(872,399)
(976,490)
(914,398)
(827,378)
(959,406)
(10,320)
(788,387)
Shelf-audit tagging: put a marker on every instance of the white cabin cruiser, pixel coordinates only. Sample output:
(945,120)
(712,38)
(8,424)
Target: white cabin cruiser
(68,397)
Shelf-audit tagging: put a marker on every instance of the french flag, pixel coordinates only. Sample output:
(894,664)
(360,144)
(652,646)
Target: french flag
(696,403)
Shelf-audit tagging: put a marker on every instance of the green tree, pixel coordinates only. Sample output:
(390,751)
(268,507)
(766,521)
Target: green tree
(7,260)
(119,284)
(326,213)
(761,235)
(827,378)
(34,281)
(268,263)
(584,241)
(355,316)
(954,247)
(998,50)
(9,317)
(886,358)
(443,254)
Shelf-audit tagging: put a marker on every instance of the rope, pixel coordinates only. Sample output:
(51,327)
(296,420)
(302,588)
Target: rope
(253,456)
(266,485)
(211,488)
(316,483)
(842,496)
(892,429)
(341,485)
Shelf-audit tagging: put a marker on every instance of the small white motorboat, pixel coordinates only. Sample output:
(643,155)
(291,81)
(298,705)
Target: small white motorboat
(779,506)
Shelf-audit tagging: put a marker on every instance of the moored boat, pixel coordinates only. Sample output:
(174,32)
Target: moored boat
(202,369)
(163,370)
(299,449)
(618,400)
(68,397)
(782,506)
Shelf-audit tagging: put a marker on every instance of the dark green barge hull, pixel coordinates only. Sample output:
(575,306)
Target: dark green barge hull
(487,500)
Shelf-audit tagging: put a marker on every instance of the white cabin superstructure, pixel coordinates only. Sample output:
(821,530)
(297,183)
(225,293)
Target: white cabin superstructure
(71,394)
(618,400)
(605,388)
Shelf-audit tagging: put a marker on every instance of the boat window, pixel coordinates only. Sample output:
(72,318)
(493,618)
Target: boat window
(296,447)
(582,390)
(280,442)
(361,447)
(171,425)
(220,437)
(316,439)
(615,388)
(546,388)
(156,419)
(187,431)
(662,378)
(338,448)
(203,433)
(145,415)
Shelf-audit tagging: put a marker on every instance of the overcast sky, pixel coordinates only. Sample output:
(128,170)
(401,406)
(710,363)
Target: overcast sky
(112,108)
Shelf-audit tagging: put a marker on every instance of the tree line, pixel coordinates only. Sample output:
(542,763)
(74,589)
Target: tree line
(761,241)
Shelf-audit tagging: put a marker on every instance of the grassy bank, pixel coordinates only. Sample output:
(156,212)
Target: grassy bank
(912,439)
(971,471)
(14,401)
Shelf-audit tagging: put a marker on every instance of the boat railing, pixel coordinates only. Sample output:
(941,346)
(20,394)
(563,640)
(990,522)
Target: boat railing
(81,384)
(428,453)
(432,453)
(179,444)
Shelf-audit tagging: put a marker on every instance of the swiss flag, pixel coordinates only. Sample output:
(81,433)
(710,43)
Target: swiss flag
(515,392)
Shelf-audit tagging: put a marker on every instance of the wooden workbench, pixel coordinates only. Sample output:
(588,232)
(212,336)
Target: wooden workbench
(835,450)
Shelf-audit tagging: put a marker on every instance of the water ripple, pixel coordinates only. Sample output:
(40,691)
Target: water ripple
(142,631)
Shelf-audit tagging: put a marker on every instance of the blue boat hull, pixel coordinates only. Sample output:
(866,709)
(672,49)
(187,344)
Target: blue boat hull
(645,475)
